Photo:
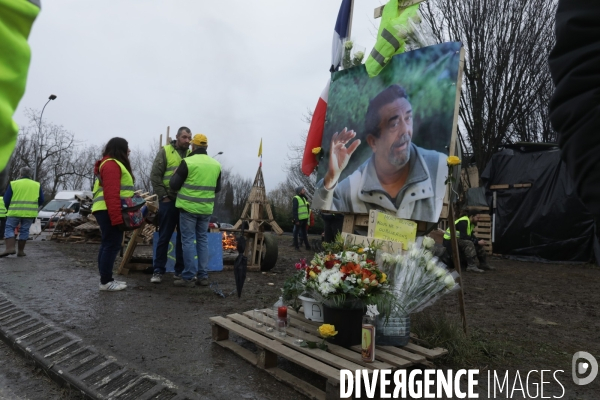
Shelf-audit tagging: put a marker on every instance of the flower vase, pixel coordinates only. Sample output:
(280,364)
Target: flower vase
(347,322)
(393,332)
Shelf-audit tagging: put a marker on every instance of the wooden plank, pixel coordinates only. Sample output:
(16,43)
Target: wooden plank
(522,185)
(340,351)
(301,386)
(477,208)
(317,354)
(428,353)
(361,220)
(348,225)
(396,361)
(130,249)
(378,12)
(483,225)
(239,350)
(281,350)
(416,358)
(499,187)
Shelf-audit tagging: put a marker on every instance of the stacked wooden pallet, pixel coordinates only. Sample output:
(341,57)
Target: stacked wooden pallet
(327,364)
(483,230)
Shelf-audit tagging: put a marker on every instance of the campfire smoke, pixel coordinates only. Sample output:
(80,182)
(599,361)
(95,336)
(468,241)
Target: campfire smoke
(229,242)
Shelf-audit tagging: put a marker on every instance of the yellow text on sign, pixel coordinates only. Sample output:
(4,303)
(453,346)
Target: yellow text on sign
(389,227)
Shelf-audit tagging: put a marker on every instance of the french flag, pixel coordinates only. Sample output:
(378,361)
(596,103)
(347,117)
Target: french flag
(317,124)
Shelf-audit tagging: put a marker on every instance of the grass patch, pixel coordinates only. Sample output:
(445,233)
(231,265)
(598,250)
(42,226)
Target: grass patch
(436,329)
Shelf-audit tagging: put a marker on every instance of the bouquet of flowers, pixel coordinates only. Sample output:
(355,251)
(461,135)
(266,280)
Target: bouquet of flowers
(417,278)
(346,279)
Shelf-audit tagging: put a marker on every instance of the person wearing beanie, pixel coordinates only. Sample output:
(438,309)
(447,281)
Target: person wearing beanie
(197,180)
(300,216)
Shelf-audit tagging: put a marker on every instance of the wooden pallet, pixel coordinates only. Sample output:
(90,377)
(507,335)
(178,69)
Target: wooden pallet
(324,363)
(483,230)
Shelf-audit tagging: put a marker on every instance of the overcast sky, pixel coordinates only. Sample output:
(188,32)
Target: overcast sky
(234,70)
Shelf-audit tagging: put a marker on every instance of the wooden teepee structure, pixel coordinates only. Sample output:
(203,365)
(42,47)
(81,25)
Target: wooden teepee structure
(255,208)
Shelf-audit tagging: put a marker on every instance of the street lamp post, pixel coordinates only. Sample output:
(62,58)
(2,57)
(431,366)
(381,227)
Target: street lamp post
(52,97)
(218,154)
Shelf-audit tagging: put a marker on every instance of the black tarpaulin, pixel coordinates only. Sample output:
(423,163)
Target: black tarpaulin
(544,222)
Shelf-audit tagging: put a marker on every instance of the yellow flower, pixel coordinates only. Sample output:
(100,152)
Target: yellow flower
(312,274)
(453,160)
(360,251)
(383,277)
(327,331)
(316,150)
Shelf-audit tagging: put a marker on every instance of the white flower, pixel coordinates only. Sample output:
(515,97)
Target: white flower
(351,278)
(372,310)
(449,281)
(431,265)
(352,256)
(427,255)
(335,278)
(415,253)
(428,243)
(366,281)
(439,272)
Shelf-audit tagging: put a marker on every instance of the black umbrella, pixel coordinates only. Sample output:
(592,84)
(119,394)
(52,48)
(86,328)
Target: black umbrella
(241,263)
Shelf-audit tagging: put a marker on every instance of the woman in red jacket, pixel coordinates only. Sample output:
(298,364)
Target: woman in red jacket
(114,173)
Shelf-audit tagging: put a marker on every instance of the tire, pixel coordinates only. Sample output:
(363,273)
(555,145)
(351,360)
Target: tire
(270,252)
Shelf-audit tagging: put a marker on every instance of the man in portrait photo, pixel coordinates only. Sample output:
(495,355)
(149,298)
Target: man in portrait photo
(399,176)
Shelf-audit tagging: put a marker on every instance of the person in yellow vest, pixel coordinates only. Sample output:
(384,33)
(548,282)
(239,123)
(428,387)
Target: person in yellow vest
(197,179)
(21,199)
(300,215)
(165,163)
(2,217)
(114,181)
(468,244)
(16,20)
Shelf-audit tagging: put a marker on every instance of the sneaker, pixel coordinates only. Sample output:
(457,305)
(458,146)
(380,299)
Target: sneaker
(112,286)
(202,282)
(177,277)
(487,267)
(474,269)
(120,282)
(185,283)
(156,278)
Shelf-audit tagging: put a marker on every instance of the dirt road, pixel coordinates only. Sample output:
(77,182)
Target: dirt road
(544,313)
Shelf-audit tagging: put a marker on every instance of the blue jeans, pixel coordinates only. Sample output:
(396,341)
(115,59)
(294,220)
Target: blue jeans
(110,245)
(194,238)
(168,219)
(13,222)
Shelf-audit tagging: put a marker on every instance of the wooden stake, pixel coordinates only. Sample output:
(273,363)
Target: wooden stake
(456,260)
(168,138)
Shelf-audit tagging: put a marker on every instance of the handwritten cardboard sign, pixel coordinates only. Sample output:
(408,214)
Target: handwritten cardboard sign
(389,227)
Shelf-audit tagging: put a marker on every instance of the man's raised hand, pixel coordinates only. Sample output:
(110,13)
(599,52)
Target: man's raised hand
(339,155)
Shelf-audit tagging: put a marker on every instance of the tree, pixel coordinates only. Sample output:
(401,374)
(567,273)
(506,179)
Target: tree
(506,82)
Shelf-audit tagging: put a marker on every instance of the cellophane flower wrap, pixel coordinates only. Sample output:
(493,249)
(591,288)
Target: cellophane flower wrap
(348,279)
(417,279)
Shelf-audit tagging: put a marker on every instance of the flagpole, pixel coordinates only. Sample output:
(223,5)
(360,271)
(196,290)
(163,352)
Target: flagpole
(350,19)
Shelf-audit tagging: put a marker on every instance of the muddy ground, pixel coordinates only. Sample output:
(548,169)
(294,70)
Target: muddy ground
(540,313)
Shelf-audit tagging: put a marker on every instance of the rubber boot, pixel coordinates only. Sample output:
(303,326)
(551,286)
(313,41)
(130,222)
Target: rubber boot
(9,247)
(21,246)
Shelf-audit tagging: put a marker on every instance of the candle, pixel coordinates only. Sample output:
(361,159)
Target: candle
(282,312)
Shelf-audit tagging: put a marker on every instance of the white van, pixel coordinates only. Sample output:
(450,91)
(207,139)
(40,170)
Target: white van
(63,200)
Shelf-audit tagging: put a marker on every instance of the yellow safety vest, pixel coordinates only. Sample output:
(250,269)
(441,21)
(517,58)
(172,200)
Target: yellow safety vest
(303,211)
(24,201)
(2,208)
(173,161)
(469,228)
(197,195)
(392,35)
(126,191)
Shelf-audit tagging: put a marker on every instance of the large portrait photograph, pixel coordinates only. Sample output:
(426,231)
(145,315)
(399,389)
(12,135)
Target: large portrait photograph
(387,138)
